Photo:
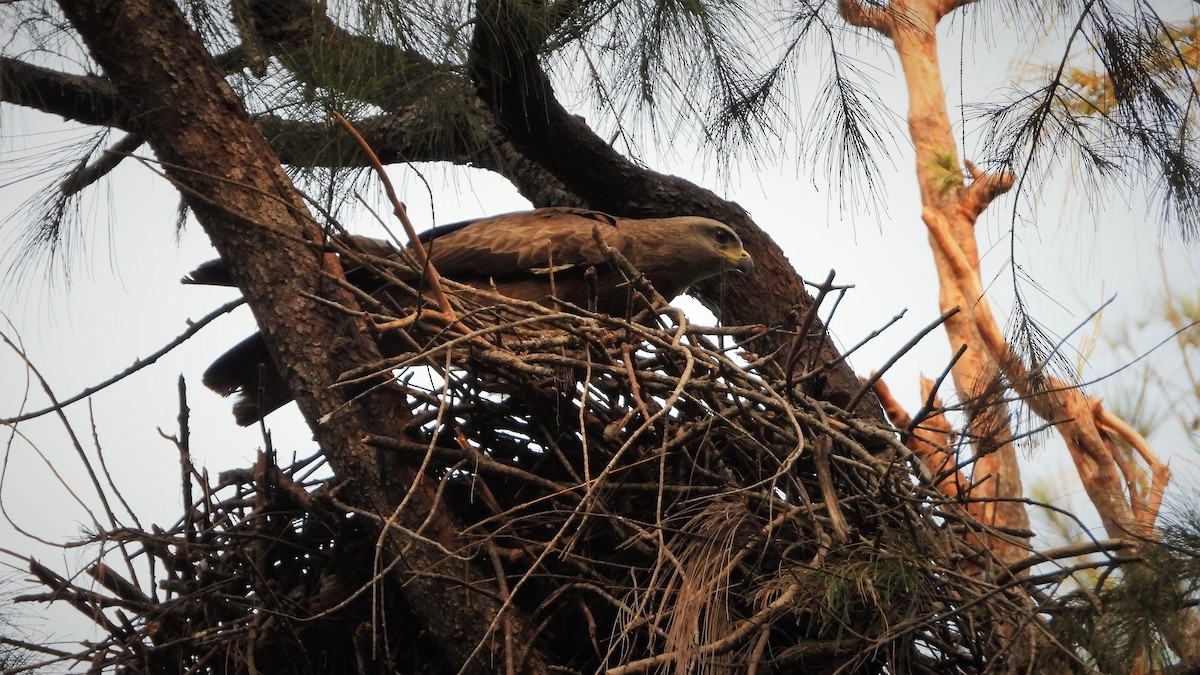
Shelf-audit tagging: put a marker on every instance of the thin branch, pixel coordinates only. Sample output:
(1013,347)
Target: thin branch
(435,279)
(912,342)
(193,328)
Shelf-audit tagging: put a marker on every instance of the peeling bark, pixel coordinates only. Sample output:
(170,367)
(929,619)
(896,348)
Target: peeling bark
(911,27)
(989,367)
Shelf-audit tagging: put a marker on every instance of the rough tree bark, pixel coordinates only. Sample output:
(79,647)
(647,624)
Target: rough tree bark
(160,84)
(179,101)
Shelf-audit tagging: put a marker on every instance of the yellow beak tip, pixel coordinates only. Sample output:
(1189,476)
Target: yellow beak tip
(744,264)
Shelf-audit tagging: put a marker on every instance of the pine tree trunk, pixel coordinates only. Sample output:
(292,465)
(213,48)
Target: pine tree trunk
(233,182)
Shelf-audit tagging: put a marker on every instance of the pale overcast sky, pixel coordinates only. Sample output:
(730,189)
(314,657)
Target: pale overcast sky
(125,300)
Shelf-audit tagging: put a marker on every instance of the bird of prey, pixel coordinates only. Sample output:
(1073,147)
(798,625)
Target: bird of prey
(539,256)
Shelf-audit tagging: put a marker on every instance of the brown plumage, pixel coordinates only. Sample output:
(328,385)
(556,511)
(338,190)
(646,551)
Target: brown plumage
(521,255)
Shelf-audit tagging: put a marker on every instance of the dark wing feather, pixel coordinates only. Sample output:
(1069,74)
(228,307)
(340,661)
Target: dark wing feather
(522,243)
(443,230)
(247,369)
(495,247)
(211,273)
(512,250)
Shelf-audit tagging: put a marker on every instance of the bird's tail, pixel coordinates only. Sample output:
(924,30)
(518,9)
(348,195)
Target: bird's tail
(248,371)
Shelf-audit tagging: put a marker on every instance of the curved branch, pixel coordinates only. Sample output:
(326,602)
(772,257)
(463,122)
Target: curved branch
(985,187)
(509,79)
(944,7)
(88,99)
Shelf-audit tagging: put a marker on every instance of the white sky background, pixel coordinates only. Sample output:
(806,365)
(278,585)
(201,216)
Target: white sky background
(125,302)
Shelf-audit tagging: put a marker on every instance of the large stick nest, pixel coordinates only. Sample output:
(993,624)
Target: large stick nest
(647,499)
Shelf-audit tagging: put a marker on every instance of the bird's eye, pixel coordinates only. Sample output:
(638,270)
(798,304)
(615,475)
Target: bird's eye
(722,236)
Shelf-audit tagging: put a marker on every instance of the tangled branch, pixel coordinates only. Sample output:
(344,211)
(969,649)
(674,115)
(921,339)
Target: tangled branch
(646,498)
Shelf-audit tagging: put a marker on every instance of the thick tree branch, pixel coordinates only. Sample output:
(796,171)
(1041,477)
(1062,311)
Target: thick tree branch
(312,46)
(504,65)
(415,129)
(88,99)
(508,77)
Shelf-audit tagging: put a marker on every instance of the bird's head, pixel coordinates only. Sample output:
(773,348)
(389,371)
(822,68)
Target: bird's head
(715,244)
(676,252)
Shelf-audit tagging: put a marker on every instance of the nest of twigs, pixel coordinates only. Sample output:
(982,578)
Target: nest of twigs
(648,499)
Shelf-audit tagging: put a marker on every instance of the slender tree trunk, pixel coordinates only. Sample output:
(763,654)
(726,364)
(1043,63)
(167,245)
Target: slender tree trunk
(911,25)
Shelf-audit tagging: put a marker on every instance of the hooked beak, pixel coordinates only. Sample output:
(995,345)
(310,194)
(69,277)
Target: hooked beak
(742,262)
